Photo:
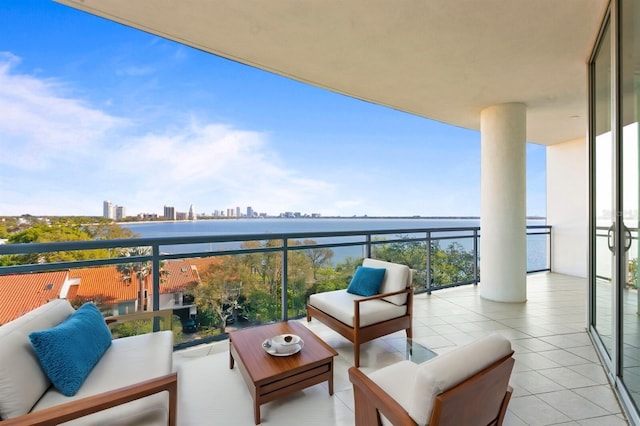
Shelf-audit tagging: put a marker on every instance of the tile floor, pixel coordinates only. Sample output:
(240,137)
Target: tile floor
(557,378)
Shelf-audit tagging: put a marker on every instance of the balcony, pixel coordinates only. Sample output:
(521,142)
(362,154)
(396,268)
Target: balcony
(557,378)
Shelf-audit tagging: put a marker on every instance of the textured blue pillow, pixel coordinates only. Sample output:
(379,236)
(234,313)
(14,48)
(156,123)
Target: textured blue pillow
(366,281)
(68,351)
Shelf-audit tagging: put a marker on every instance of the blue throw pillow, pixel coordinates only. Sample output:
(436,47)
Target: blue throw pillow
(68,351)
(366,281)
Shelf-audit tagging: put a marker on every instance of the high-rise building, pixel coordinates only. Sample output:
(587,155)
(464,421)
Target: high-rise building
(238,212)
(107,210)
(120,212)
(249,212)
(192,212)
(169,213)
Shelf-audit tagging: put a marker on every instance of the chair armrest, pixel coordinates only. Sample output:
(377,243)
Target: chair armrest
(409,292)
(92,404)
(356,303)
(370,399)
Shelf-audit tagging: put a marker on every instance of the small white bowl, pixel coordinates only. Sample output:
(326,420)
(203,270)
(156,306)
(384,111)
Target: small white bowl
(286,339)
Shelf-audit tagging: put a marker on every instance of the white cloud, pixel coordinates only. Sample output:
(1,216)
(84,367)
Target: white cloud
(214,166)
(39,125)
(64,156)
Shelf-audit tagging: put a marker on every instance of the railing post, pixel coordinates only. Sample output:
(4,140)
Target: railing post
(428,262)
(155,249)
(285,280)
(475,256)
(368,245)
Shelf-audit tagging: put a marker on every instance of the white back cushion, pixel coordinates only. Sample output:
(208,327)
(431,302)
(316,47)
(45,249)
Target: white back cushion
(415,387)
(397,277)
(22,380)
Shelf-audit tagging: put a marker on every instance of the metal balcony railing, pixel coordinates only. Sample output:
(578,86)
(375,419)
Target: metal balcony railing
(432,267)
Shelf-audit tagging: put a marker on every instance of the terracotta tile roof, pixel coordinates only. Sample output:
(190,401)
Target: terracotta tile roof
(107,283)
(180,275)
(104,283)
(21,293)
(202,264)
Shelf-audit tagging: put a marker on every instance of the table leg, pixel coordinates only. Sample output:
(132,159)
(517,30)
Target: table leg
(331,378)
(256,412)
(231,360)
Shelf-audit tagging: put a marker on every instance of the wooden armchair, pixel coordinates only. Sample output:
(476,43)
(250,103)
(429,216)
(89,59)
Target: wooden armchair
(468,386)
(361,319)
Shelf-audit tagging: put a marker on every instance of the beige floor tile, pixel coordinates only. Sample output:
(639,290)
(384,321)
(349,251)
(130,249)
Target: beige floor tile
(557,377)
(602,396)
(574,406)
(534,411)
(568,378)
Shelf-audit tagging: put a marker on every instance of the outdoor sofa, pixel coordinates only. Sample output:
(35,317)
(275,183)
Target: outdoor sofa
(131,383)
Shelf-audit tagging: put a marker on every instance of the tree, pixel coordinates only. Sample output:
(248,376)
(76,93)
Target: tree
(451,265)
(141,270)
(61,229)
(220,289)
(319,256)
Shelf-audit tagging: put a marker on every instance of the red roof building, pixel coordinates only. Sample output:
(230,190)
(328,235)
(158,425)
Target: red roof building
(21,293)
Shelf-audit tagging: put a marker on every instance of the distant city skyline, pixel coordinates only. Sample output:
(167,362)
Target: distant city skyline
(171,212)
(93,107)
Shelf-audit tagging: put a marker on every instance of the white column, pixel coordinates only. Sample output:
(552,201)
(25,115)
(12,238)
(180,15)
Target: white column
(503,253)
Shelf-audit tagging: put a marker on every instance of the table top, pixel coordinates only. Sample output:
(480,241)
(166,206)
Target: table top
(260,365)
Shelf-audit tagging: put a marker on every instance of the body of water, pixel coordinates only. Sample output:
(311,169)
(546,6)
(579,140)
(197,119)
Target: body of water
(537,245)
(280,225)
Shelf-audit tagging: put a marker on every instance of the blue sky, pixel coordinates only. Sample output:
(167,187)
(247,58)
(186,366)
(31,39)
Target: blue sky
(91,110)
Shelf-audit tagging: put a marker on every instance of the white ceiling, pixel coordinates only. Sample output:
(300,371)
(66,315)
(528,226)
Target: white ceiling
(441,59)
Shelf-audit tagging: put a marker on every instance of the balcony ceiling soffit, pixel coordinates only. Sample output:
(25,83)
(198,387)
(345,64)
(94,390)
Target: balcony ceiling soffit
(444,60)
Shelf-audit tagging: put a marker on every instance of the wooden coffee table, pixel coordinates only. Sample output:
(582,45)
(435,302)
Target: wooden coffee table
(269,377)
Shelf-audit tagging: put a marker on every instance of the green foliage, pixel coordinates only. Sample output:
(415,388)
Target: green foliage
(330,278)
(59,229)
(632,280)
(449,265)
(132,328)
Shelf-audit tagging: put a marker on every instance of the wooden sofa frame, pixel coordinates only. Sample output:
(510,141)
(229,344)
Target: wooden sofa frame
(478,400)
(92,404)
(359,335)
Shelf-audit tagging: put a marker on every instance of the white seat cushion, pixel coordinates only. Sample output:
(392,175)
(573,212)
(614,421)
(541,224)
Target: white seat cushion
(397,278)
(128,360)
(339,304)
(415,387)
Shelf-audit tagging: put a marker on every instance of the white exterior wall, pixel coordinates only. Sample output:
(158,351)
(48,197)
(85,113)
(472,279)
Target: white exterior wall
(567,206)
(167,301)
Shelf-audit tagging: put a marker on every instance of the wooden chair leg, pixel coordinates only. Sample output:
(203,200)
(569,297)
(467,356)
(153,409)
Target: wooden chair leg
(503,406)
(356,354)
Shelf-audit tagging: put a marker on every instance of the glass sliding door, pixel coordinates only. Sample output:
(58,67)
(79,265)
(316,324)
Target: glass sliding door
(629,115)
(603,171)
(614,138)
